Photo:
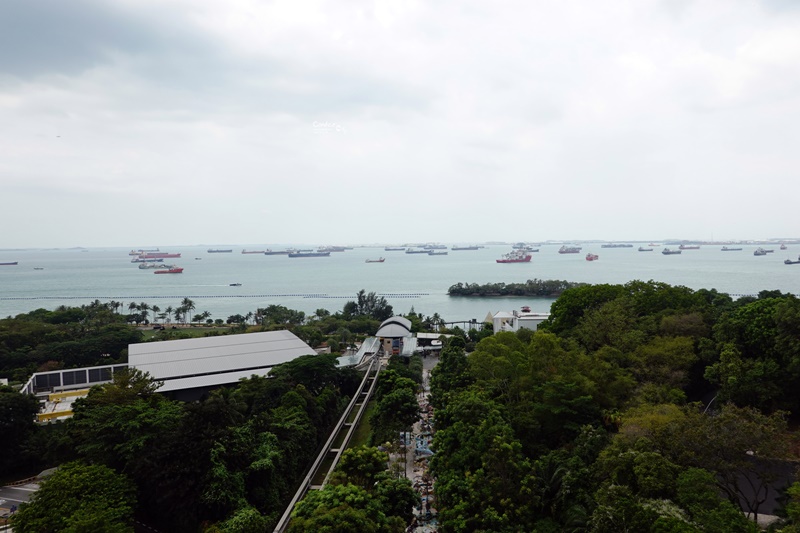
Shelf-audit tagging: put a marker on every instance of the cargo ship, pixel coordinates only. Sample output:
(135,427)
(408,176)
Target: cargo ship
(726,249)
(310,254)
(667,251)
(331,249)
(569,250)
(394,249)
(174,270)
(615,245)
(141,251)
(463,248)
(379,260)
(278,252)
(413,251)
(9,263)
(254,251)
(592,257)
(435,252)
(643,249)
(516,256)
(214,251)
(145,266)
(143,260)
(689,247)
(162,255)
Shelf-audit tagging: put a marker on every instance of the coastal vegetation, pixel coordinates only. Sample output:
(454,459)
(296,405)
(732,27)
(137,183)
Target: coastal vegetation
(640,407)
(99,333)
(636,407)
(538,288)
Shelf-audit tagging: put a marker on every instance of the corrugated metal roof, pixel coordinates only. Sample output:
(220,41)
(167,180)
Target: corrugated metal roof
(212,380)
(222,356)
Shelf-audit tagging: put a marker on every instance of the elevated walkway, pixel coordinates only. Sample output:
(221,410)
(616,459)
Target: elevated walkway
(325,463)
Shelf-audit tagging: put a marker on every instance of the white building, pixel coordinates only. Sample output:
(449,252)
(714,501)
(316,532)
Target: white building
(188,368)
(191,367)
(516,320)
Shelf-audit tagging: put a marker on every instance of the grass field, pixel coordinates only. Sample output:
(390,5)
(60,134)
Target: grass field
(181,332)
(362,432)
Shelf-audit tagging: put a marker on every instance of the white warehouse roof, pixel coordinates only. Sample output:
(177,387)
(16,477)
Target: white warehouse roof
(209,361)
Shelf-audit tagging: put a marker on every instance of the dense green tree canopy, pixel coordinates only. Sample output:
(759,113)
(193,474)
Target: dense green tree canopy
(594,412)
(77,498)
(17,415)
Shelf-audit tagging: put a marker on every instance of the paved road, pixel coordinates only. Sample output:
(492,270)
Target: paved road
(13,496)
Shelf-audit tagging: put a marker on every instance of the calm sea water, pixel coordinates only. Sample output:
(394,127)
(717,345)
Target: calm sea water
(74,277)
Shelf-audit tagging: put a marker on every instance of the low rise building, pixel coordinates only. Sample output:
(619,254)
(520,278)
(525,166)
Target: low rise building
(516,320)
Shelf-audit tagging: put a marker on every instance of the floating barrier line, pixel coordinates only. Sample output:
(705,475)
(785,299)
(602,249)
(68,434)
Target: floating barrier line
(133,297)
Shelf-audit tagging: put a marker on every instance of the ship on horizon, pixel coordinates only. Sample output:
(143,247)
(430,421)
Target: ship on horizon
(309,254)
(569,250)
(173,270)
(515,256)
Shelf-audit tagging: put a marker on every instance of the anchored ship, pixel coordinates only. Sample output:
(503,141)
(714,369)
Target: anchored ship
(310,254)
(174,270)
(516,256)
(569,250)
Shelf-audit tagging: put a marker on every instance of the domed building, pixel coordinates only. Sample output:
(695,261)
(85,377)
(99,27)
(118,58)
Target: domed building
(396,337)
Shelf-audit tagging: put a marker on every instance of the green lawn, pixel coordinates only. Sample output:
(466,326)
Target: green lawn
(181,332)
(362,432)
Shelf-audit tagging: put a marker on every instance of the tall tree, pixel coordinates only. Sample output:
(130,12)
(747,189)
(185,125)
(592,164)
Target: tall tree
(17,415)
(79,497)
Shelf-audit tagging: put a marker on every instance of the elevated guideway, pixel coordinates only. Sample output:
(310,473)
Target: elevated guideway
(325,463)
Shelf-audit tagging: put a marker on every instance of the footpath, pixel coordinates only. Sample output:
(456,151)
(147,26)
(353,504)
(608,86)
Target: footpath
(418,454)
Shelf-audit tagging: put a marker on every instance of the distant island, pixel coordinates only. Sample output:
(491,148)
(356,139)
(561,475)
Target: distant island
(538,288)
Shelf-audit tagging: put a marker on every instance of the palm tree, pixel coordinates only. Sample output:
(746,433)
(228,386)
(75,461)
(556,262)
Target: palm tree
(155,309)
(188,306)
(169,310)
(143,309)
(437,322)
(205,315)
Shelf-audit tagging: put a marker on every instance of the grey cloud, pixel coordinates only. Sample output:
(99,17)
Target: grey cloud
(40,37)
(174,69)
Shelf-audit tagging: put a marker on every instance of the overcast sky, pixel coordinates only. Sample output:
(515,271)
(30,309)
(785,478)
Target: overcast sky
(139,122)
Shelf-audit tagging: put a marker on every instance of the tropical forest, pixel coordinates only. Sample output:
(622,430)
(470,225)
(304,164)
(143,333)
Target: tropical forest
(639,407)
